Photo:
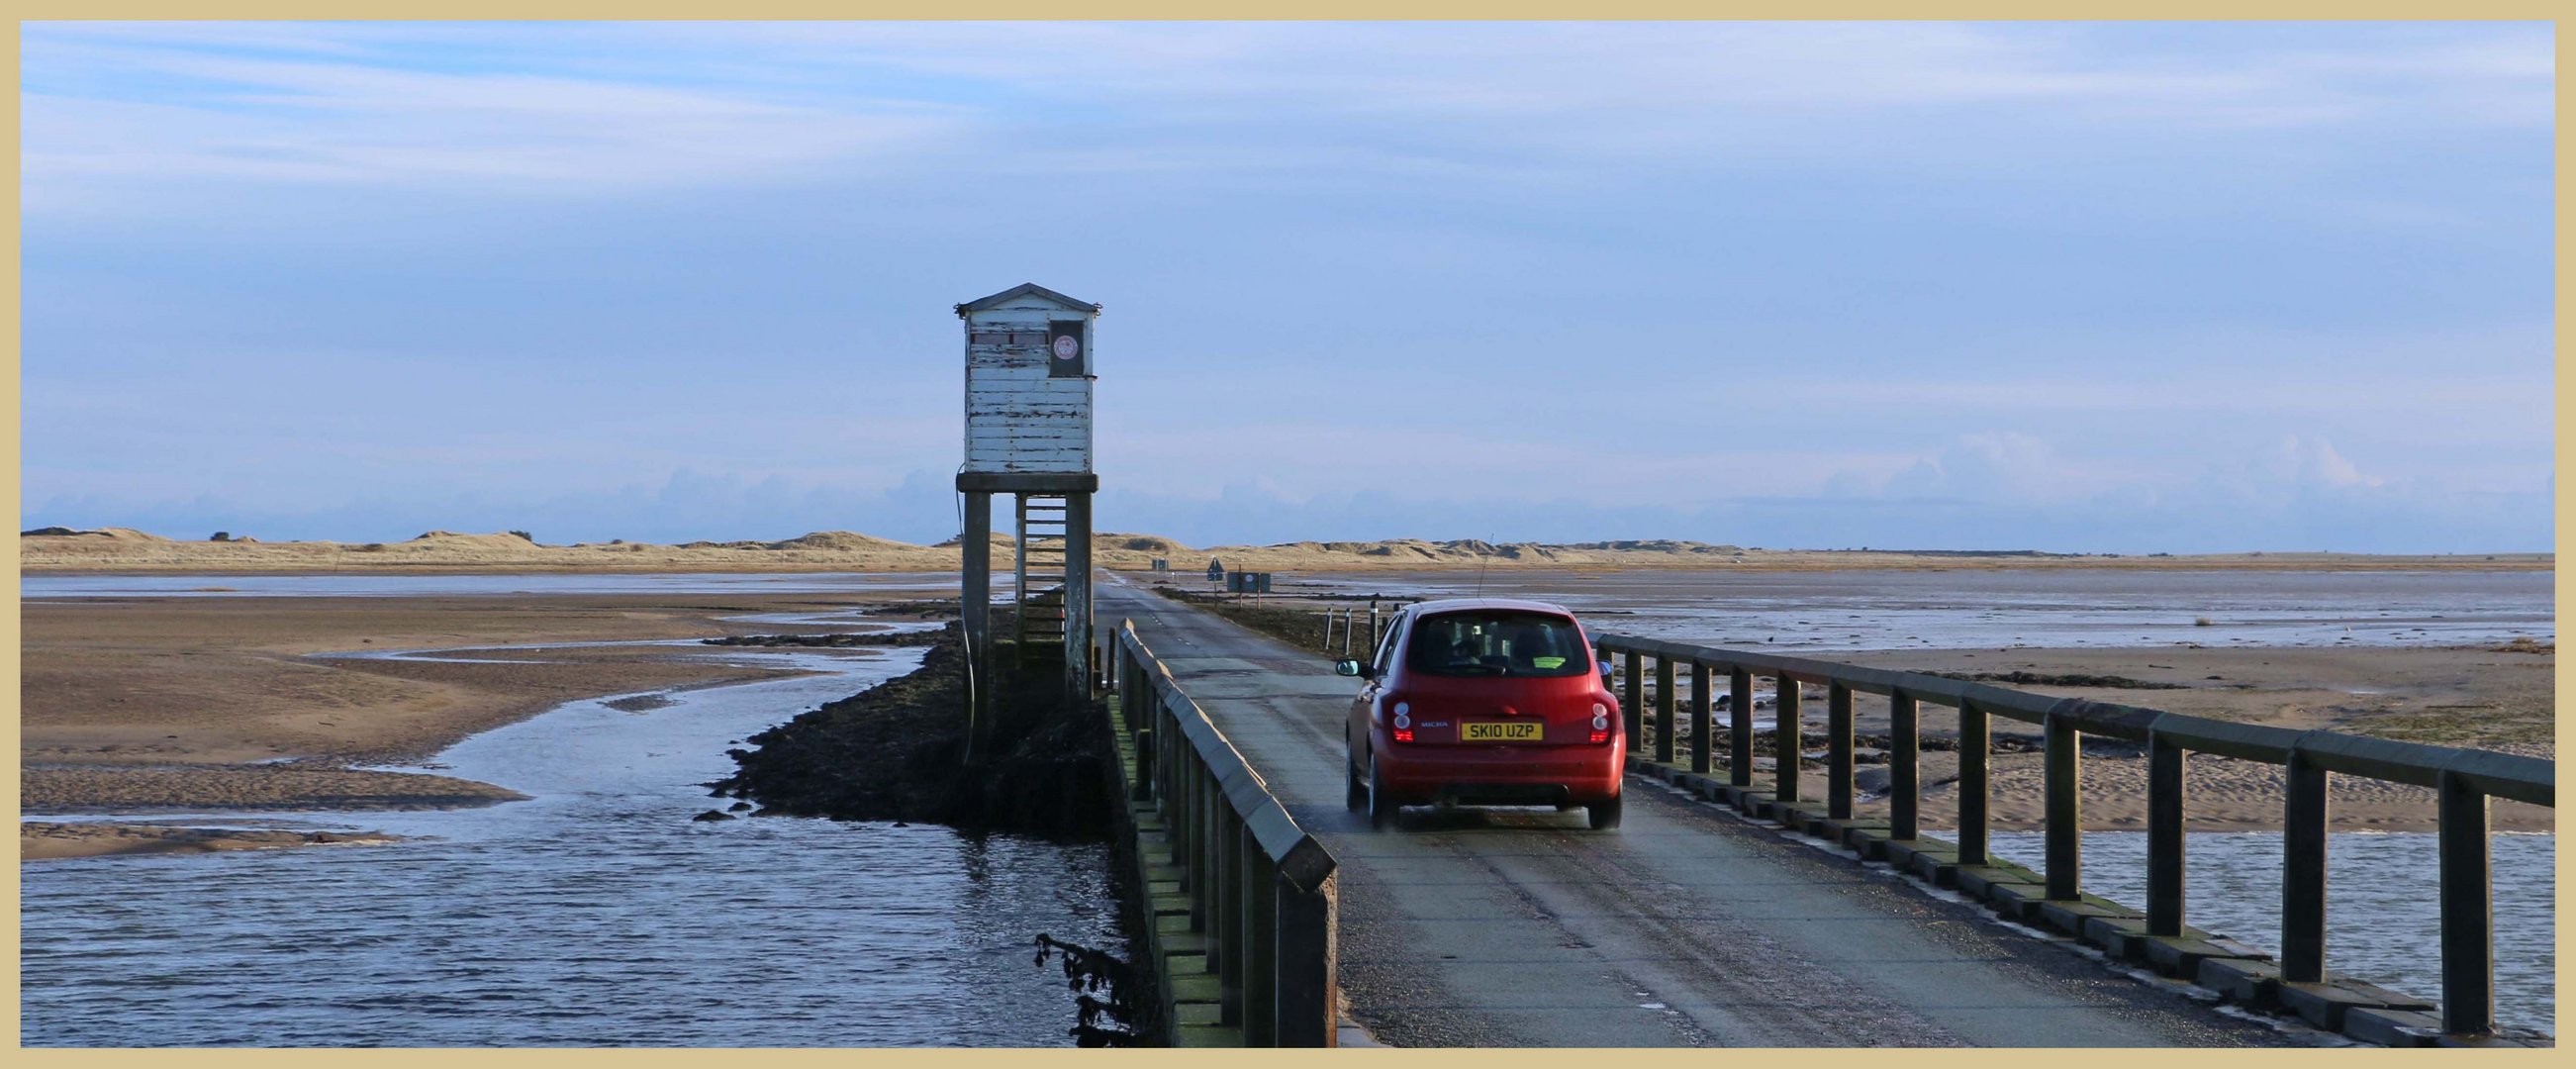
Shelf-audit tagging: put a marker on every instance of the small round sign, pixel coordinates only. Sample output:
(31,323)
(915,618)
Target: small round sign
(1067,347)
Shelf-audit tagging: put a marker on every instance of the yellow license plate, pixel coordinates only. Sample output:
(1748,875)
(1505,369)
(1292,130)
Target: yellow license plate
(1491,731)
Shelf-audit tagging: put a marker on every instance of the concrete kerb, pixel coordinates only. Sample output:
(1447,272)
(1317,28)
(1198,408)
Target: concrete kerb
(2238,973)
(2328,1005)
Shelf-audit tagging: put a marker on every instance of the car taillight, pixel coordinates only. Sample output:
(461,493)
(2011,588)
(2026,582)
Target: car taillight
(1600,722)
(1404,734)
(1403,722)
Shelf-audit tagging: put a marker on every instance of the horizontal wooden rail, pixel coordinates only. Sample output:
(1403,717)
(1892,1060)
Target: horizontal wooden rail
(2464,781)
(1262,891)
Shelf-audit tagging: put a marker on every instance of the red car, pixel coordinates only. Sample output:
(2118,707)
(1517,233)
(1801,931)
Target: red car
(1484,701)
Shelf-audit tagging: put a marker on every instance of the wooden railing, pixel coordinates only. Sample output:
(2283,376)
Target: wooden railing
(1261,891)
(2463,780)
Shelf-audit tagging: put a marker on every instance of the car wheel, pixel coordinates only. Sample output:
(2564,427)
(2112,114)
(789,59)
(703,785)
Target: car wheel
(1381,809)
(1357,795)
(1605,815)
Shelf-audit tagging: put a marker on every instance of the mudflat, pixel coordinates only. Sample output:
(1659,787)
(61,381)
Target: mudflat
(196,703)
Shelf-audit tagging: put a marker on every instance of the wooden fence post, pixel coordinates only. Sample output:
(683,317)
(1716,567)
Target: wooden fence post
(2468,914)
(1905,766)
(1739,727)
(1973,748)
(2165,842)
(1632,707)
(2061,784)
(1838,752)
(1260,946)
(1664,705)
(2303,872)
(1703,719)
(1785,742)
(1307,964)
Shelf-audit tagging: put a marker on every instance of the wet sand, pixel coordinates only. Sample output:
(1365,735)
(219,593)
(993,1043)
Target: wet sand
(2487,698)
(38,841)
(198,704)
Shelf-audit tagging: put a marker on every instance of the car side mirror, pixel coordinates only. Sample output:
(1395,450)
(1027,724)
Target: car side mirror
(1346,667)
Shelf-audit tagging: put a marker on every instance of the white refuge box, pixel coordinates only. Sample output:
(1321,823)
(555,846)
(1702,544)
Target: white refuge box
(1028,434)
(1028,382)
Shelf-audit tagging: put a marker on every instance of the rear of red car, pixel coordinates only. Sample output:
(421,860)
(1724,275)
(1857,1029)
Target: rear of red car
(1491,703)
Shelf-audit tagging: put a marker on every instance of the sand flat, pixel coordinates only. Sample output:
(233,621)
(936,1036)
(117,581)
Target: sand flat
(220,703)
(45,841)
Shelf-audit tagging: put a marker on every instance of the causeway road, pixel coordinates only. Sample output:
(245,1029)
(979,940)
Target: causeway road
(1687,927)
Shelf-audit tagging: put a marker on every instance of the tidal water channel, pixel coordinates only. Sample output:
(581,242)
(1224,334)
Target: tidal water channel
(2382,908)
(1968,608)
(596,913)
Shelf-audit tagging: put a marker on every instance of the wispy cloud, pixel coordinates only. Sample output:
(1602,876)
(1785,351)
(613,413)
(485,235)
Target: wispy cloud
(658,104)
(341,119)
(1564,279)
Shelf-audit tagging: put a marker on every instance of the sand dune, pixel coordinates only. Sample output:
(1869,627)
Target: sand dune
(123,550)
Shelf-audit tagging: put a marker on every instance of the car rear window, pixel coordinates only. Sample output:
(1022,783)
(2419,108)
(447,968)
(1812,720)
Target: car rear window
(1496,643)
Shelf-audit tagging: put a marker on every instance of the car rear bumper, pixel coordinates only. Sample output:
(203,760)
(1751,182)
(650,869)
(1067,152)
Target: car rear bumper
(1502,775)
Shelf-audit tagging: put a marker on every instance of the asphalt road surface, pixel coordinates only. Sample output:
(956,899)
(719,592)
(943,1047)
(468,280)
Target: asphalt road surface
(1686,927)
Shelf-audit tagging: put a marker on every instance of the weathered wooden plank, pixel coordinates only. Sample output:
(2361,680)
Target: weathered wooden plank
(982,363)
(997,404)
(989,339)
(1050,427)
(1037,423)
(1026,379)
(1051,452)
(1055,460)
(1048,411)
(1074,457)
(1070,437)
(1029,403)
(1016,317)
(1032,390)
(1027,433)
(1045,408)
(1031,394)
(1016,450)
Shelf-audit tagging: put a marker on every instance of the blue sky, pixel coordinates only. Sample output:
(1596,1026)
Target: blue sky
(2098,287)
